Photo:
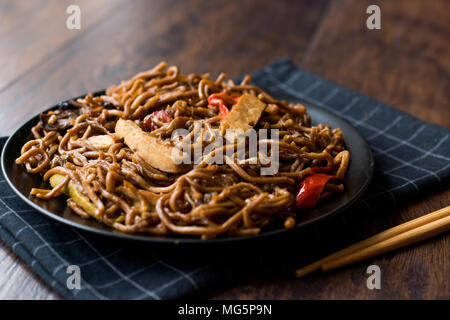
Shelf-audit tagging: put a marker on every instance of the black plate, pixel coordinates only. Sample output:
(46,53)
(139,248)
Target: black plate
(358,178)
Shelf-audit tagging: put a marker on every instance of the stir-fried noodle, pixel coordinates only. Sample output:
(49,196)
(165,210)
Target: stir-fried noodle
(78,149)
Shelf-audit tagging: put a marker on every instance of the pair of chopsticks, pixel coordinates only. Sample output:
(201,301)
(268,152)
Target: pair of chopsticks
(402,235)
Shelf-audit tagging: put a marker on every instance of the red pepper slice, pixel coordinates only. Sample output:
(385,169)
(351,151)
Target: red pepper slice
(311,187)
(221,100)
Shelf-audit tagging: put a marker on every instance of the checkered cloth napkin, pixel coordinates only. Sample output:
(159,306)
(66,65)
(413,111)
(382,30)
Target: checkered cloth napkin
(411,156)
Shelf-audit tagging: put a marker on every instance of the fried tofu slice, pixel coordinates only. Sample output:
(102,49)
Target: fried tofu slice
(150,149)
(101,142)
(245,114)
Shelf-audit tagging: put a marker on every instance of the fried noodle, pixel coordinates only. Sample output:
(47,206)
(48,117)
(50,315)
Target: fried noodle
(209,200)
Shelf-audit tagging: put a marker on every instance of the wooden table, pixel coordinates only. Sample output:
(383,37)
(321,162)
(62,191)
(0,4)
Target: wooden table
(406,64)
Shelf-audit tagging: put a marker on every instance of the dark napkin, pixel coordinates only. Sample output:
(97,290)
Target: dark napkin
(411,157)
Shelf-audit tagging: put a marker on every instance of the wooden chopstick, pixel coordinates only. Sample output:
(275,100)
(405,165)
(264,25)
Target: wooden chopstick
(379,238)
(403,239)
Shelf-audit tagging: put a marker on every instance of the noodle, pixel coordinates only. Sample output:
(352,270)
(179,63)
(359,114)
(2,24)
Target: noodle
(79,143)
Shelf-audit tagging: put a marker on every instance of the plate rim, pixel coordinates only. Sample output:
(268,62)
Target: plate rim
(180,241)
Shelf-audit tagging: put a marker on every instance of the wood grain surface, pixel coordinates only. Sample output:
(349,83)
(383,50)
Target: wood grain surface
(406,64)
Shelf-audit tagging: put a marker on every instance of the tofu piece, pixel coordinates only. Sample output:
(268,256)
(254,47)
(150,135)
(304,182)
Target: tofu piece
(101,142)
(245,114)
(125,127)
(152,150)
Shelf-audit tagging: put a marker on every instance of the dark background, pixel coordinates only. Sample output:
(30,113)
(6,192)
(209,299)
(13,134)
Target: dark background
(405,64)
